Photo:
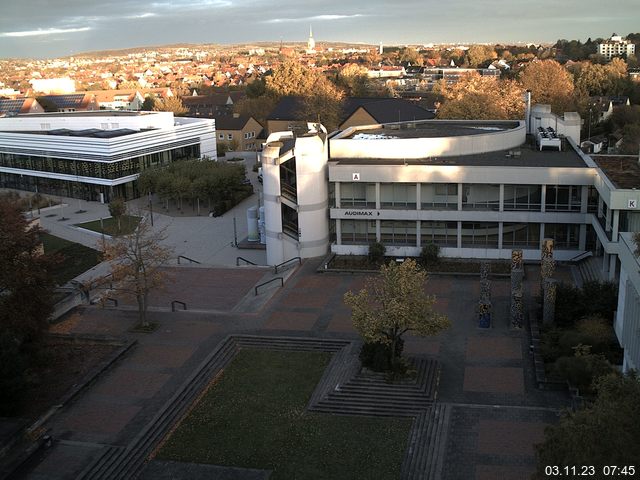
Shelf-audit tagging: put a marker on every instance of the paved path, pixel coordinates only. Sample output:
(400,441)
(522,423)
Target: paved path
(497,414)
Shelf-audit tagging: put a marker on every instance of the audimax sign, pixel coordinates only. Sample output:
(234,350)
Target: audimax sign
(361,213)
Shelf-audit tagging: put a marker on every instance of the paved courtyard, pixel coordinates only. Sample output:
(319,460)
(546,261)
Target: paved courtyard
(487,375)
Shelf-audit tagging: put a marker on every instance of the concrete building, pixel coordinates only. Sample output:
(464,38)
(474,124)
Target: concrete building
(616,47)
(477,189)
(96,155)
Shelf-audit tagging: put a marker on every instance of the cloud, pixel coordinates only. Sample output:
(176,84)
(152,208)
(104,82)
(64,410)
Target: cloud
(140,15)
(315,18)
(41,32)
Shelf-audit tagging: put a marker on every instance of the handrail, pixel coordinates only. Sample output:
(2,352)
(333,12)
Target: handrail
(268,282)
(173,305)
(187,258)
(275,270)
(244,260)
(581,256)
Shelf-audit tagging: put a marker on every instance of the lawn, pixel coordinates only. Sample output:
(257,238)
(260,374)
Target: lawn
(254,417)
(75,258)
(128,224)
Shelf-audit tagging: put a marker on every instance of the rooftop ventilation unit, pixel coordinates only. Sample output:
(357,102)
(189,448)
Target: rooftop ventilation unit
(548,138)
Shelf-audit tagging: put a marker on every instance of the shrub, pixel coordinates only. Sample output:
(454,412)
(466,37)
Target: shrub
(13,365)
(377,355)
(600,298)
(376,252)
(569,305)
(430,255)
(583,369)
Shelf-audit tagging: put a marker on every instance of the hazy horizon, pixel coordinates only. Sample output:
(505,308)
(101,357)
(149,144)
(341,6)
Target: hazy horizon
(39,29)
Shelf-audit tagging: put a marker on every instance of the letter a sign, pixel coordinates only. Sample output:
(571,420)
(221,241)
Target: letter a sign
(356,177)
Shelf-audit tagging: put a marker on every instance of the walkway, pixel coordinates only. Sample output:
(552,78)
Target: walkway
(494,412)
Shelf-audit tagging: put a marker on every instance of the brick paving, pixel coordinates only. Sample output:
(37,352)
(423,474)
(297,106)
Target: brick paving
(480,368)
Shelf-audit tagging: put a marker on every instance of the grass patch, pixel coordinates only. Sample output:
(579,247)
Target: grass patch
(128,224)
(254,417)
(74,258)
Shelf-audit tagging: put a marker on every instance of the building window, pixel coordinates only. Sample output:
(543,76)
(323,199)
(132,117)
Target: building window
(563,198)
(444,234)
(439,196)
(289,221)
(398,195)
(398,232)
(230,136)
(288,183)
(479,235)
(221,136)
(521,235)
(357,195)
(481,197)
(358,232)
(522,197)
(566,236)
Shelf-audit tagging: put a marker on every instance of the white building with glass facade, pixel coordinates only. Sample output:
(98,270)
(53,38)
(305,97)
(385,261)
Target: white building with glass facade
(96,155)
(477,189)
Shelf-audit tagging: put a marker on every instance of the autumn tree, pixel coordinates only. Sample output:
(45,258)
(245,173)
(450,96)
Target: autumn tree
(26,287)
(480,54)
(393,304)
(136,264)
(604,433)
(117,208)
(170,104)
(149,103)
(354,79)
(481,98)
(549,83)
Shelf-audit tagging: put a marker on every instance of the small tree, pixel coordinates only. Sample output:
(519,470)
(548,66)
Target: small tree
(393,304)
(376,252)
(430,255)
(117,208)
(136,264)
(605,433)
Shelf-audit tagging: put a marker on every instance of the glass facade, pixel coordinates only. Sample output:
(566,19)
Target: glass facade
(521,235)
(398,195)
(444,234)
(398,232)
(480,235)
(523,197)
(358,232)
(358,195)
(481,197)
(563,198)
(565,236)
(439,196)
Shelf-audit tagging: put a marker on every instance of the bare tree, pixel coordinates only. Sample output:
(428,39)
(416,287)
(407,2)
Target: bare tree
(136,264)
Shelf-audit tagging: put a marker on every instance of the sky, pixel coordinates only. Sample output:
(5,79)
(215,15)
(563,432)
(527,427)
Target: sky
(54,28)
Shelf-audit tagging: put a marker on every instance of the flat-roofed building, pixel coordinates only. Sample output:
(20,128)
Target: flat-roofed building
(616,47)
(96,155)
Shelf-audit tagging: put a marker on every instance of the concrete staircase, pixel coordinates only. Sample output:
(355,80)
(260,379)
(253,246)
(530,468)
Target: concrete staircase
(424,457)
(590,269)
(369,393)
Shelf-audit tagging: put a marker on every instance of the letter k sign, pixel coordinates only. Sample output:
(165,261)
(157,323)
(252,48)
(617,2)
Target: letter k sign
(632,204)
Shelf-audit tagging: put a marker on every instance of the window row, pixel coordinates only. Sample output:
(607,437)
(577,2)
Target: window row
(445,234)
(110,170)
(445,196)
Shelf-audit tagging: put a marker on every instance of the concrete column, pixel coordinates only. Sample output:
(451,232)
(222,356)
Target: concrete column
(543,201)
(418,197)
(600,204)
(338,231)
(613,259)
(378,201)
(615,226)
(582,241)
(378,235)
(500,230)
(605,264)
(607,222)
(336,192)
(501,201)
(418,238)
(584,199)
(541,235)
(460,187)
(459,234)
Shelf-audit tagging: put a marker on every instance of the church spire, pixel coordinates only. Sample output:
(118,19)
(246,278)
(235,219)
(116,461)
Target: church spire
(311,43)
